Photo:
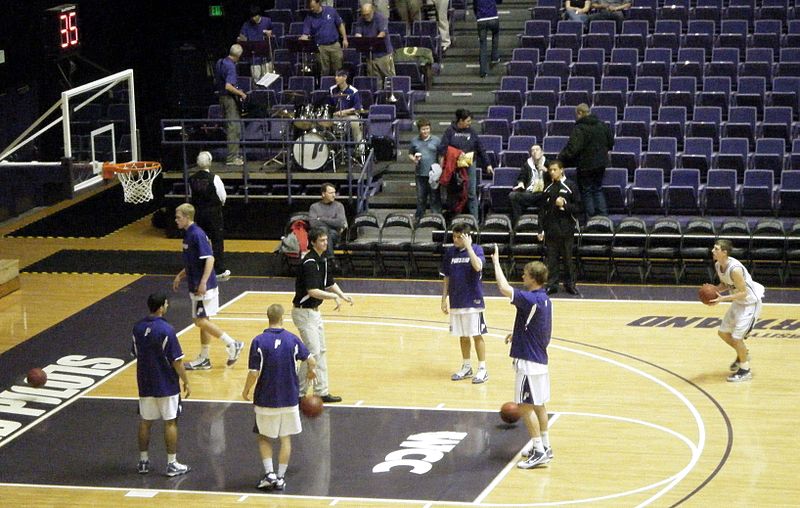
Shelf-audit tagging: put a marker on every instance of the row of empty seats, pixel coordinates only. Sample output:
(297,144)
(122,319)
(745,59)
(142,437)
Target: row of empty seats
(397,243)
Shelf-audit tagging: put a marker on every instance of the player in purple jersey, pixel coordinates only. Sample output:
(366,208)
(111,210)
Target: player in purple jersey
(532,329)
(273,357)
(198,260)
(462,265)
(158,367)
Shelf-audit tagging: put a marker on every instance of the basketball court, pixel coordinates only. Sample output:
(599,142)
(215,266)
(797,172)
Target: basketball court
(641,413)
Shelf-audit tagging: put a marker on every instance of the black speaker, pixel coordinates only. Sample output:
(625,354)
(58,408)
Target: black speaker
(385,149)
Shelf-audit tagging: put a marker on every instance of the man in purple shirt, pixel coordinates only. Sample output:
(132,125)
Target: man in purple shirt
(158,367)
(198,260)
(272,363)
(529,340)
(325,25)
(226,81)
(374,24)
(461,268)
(256,28)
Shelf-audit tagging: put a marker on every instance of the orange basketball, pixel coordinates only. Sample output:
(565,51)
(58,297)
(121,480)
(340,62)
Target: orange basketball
(707,293)
(311,405)
(37,377)
(509,412)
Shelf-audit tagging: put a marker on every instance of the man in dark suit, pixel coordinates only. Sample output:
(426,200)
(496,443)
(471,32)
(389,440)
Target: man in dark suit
(558,222)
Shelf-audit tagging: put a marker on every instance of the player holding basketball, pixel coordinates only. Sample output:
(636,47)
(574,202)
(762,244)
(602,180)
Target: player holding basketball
(158,367)
(532,328)
(745,296)
(198,260)
(461,268)
(273,355)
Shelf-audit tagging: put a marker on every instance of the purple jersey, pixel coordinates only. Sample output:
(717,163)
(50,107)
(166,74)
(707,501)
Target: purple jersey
(196,249)
(323,27)
(255,31)
(465,289)
(532,325)
(225,73)
(273,354)
(155,347)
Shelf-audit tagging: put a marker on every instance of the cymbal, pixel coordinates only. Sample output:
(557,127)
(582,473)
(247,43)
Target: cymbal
(282,113)
(293,93)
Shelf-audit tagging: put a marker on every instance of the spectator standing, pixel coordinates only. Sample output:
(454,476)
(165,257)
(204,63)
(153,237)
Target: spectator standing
(587,149)
(461,136)
(423,153)
(208,198)
(488,22)
(558,223)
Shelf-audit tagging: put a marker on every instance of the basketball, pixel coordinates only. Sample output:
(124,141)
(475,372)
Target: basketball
(311,405)
(509,412)
(36,377)
(707,293)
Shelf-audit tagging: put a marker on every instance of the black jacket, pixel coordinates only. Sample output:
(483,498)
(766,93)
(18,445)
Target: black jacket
(588,145)
(526,173)
(555,222)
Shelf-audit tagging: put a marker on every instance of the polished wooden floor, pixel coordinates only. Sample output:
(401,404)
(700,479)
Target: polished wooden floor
(644,414)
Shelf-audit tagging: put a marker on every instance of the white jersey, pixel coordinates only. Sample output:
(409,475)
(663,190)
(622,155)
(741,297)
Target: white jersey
(755,291)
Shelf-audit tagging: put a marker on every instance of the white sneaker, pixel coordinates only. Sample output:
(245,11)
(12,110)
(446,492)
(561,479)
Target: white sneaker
(177,469)
(463,373)
(198,363)
(480,377)
(222,277)
(536,459)
(234,350)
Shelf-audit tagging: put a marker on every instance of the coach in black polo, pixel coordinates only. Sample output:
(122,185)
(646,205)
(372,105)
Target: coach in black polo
(314,283)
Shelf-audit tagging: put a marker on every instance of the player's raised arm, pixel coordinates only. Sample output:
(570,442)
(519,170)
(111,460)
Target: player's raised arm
(502,284)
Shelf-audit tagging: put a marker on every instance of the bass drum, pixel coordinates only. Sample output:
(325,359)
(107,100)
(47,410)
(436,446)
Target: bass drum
(310,150)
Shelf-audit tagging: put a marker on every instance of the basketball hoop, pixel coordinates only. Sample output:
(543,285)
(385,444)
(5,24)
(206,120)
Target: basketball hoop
(136,179)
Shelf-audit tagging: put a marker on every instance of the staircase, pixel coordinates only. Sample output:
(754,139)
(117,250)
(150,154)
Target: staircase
(457,86)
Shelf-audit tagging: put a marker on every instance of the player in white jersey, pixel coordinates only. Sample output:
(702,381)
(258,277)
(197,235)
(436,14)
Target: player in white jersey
(745,296)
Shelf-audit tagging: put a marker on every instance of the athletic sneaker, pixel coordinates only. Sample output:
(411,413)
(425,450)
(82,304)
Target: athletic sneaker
(234,350)
(177,469)
(267,482)
(279,484)
(480,377)
(740,375)
(143,467)
(735,365)
(464,373)
(198,363)
(222,277)
(548,450)
(535,460)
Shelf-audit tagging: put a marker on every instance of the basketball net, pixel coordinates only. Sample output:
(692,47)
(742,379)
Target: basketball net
(136,178)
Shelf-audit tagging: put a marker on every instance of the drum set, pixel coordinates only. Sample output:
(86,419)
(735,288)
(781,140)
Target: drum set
(319,139)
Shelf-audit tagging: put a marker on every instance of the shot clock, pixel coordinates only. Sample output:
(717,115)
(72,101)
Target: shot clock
(61,30)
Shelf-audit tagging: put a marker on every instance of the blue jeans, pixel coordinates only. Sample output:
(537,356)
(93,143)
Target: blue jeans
(425,196)
(578,16)
(472,191)
(594,201)
(484,27)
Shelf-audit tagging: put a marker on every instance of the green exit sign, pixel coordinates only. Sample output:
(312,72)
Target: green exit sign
(215,11)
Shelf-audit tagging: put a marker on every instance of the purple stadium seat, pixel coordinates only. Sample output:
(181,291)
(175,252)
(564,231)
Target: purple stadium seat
(683,192)
(590,63)
(626,153)
(647,191)
(758,192)
(716,92)
(636,122)
(705,123)
(770,154)
(733,154)
(671,123)
(615,189)
(661,153)
(624,62)
(613,90)
(789,194)
(697,154)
